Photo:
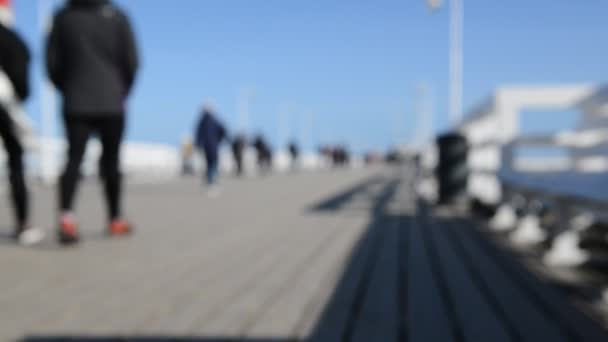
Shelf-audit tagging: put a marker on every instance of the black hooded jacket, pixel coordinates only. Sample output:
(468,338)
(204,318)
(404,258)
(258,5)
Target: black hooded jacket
(14,61)
(92,57)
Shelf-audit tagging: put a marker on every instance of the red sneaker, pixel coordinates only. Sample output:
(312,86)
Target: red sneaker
(120,228)
(68,232)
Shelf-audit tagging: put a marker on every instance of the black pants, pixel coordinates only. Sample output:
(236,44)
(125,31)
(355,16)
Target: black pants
(238,160)
(78,129)
(14,151)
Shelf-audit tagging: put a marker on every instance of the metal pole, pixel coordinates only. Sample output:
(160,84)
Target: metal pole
(423,115)
(456,61)
(283,132)
(47,99)
(242,110)
(245,97)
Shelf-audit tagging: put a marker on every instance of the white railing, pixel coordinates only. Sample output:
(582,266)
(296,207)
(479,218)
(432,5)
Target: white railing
(573,185)
(494,134)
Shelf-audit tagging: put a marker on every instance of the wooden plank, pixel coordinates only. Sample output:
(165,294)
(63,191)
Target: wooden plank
(334,322)
(282,317)
(474,316)
(378,319)
(548,298)
(528,321)
(252,297)
(426,313)
(124,278)
(319,301)
(253,251)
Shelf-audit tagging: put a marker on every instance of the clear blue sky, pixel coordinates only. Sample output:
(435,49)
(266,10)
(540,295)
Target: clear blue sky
(347,68)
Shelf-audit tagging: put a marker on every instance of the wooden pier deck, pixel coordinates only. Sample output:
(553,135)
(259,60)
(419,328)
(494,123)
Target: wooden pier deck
(330,256)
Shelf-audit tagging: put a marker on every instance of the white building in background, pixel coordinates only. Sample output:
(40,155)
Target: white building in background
(140,162)
(147,162)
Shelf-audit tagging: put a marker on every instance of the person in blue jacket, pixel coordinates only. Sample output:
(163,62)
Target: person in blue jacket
(209,135)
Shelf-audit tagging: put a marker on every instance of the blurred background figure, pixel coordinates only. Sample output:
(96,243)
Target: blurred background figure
(373,158)
(325,152)
(92,60)
(238,148)
(264,153)
(209,135)
(187,153)
(294,152)
(337,155)
(14,90)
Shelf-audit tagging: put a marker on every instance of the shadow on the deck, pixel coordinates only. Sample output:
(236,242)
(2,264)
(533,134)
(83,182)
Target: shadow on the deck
(415,277)
(144,339)
(338,201)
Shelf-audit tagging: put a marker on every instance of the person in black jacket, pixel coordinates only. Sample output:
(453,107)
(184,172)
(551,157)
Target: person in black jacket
(92,59)
(264,154)
(209,135)
(238,148)
(14,64)
(294,152)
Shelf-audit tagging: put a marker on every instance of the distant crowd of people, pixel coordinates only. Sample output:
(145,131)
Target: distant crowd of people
(209,134)
(336,155)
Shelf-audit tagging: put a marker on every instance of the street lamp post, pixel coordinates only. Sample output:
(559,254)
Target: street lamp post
(455,55)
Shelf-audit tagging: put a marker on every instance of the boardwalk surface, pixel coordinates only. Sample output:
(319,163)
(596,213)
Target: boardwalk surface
(331,256)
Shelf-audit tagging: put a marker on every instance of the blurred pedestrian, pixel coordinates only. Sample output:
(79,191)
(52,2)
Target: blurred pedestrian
(264,154)
(187,152)
(92,60)
(14,90)
(294,152)
(238,148)
(209,135)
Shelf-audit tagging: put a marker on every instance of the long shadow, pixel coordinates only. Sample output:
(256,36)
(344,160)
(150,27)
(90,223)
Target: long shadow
(343,310)
(338,201)
(142,339)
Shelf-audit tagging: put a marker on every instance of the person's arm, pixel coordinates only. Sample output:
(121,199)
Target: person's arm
(198,134)
(18,70)
(130,56)
(223,133)
(53,56)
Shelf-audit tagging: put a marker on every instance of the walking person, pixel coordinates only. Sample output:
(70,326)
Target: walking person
(14,90)
(92,60)
(187,154)
(209,135)
(294,153)
(264,154)
(238,148)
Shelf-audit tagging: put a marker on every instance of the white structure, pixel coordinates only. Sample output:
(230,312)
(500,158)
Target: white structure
(493,130)
(140,162)
(575,183)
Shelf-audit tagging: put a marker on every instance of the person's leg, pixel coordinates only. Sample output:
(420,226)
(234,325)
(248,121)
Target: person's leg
(111,133)
(14,151)
(214,169)
(77,132)
(239,164)
(212,162)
